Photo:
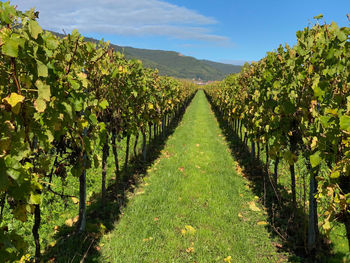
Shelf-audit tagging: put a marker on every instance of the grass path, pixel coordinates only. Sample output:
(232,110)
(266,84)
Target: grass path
(192,207)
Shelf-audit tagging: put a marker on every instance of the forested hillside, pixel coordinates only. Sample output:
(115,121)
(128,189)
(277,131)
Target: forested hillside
(174,64)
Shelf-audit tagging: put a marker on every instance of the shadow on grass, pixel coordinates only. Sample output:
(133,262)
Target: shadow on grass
(287,223)
(73,247)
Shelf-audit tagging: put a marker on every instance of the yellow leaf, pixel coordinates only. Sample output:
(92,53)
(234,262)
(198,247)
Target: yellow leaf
(190,250)
(191,230)
(53,243)
(240,215)
(75,219)
(326,226)
(14,101)
(84,123)
(228,259)
(314,143)
(75,200)
(150,106)
(253,207)
(262,223)
(69,222)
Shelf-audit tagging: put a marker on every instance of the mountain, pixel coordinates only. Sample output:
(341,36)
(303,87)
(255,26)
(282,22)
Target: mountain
(175,64)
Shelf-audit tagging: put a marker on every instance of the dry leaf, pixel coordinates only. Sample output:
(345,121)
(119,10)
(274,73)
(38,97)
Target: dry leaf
(262,223)
(75,219)
(69,222)
(182,169)
(147,239)
(253,207)
(190,250)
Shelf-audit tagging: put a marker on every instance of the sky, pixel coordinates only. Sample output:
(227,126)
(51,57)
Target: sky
(229,31)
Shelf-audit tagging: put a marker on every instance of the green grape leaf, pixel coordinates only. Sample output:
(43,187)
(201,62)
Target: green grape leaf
(342,36)
(335,174)
(93,119)
(34,199)
(20,213)
(69,109)
(345,123)
(290,157)
(42,69)
(34,29)
(315,159)
(3,177)
(10,48)
(104,104)
(40,105)
(44,91)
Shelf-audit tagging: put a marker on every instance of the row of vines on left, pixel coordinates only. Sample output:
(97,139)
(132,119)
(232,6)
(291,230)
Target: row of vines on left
(62,101)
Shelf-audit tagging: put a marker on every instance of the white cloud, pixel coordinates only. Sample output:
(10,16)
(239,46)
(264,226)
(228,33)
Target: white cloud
(123,17)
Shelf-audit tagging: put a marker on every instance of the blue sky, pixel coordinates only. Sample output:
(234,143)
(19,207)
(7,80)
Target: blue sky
(221,30)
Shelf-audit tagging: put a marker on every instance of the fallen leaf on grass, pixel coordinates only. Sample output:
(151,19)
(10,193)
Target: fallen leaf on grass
(182,169)
(140,192)
(147,239)
(166,154)
(198,167)
(278,245)
(155,219)
(262,223)
(197,144)
(253,207)
(190,250)
(228,259)
(188,230)
(240,215)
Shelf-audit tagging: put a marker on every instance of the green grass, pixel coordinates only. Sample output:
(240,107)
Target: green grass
(193,184)
(339,248)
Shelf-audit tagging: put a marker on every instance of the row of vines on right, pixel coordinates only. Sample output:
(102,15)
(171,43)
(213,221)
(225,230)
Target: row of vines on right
(295,105)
